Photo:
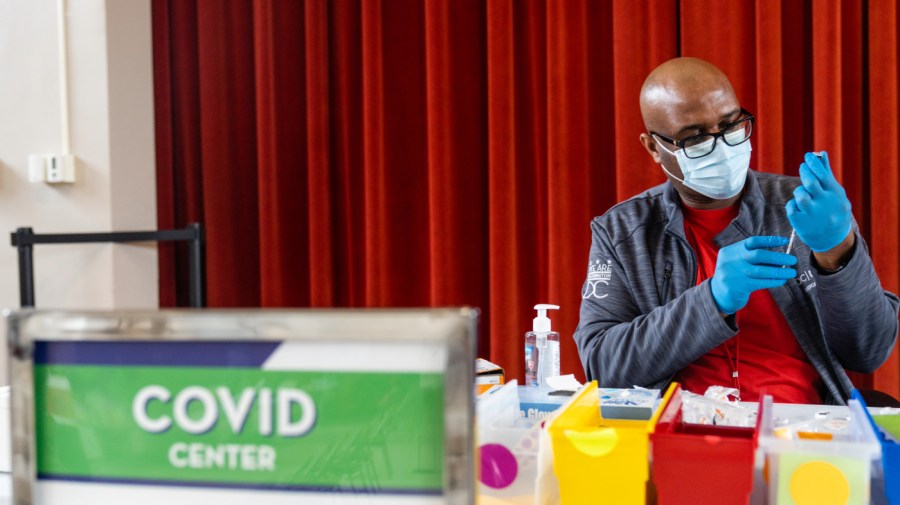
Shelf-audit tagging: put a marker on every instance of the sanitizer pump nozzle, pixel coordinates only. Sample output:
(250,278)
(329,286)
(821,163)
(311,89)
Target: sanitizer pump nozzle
(541,348)
(542,322)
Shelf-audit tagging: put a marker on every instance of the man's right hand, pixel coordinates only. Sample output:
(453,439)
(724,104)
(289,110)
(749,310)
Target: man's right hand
(748,266)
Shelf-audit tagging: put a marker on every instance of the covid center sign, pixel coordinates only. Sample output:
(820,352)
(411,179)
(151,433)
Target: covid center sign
(246,407)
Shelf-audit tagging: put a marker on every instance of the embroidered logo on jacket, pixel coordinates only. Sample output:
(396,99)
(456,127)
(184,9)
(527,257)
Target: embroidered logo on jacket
(807,280)
(598,274)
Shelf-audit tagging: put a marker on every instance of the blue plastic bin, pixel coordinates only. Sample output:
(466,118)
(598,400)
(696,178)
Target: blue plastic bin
(890,457)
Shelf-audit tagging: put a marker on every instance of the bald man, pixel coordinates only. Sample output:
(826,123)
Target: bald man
(693,281)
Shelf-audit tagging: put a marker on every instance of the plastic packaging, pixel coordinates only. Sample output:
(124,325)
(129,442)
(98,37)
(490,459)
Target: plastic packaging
(637,403)
(814,429)
(541,349)
(715,408)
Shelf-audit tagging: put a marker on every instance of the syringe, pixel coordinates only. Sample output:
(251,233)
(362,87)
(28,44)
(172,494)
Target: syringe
(791,241)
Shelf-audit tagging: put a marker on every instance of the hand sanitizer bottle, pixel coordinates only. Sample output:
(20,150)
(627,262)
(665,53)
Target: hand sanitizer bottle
(541,349)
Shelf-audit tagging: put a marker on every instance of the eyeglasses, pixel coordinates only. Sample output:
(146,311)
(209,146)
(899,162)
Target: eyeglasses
(698,146)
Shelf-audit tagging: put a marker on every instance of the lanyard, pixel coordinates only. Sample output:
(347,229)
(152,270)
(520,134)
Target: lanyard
(733,363)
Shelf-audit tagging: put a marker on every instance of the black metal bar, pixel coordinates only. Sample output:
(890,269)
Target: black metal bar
(24,239)
(196,267)
(26,267)
(122,236)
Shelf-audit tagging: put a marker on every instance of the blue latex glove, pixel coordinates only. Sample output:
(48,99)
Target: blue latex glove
(820,210)
(748,266)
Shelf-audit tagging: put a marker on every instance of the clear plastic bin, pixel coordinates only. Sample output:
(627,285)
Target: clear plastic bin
(820,471)
(508,442)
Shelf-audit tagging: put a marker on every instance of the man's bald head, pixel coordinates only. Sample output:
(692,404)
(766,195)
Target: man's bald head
(679,88)
(682,98)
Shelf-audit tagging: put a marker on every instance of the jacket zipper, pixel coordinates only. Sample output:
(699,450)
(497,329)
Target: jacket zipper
(667,276)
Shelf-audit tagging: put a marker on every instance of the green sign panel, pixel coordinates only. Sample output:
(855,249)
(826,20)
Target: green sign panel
(248,427)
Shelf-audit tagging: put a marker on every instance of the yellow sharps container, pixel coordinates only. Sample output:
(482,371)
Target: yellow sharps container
(599,460)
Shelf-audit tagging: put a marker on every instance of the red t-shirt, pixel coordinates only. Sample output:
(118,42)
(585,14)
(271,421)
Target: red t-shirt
(765,351)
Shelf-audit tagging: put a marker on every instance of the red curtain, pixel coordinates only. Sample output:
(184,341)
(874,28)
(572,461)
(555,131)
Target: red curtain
(383,153)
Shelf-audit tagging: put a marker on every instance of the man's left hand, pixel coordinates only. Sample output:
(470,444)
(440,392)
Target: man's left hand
(820,210)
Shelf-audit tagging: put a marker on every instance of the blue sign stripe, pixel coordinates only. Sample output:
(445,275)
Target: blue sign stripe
(230,485)
(155,353)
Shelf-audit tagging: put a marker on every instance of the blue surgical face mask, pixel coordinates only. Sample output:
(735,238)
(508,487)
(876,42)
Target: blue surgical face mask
(719,175)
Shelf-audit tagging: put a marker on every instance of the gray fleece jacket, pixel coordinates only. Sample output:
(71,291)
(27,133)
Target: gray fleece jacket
(643,319)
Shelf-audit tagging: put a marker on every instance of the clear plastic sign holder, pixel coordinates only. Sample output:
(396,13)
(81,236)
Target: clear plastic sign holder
(243,406)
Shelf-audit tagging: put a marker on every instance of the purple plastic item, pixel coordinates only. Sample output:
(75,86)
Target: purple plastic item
(498,466)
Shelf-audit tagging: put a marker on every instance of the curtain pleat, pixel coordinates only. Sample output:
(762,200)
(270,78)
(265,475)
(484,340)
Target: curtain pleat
(883,153)
(397,153)
(768,134)
(177,115)
(288,145)
(395,137)
(347,154)
(320,178)
(457,155)
(645,34)
(228,149)
(377,275)
(507,274)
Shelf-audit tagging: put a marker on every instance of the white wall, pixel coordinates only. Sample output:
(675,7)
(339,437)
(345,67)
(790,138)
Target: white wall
(111,111)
